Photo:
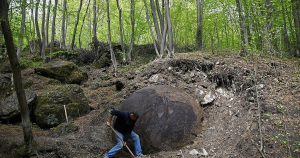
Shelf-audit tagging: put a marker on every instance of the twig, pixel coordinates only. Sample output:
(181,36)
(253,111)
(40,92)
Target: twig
(66,115)
(261,153)
(259,112)
(288,142)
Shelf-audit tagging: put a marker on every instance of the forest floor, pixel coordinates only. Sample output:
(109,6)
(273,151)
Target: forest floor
(257,99)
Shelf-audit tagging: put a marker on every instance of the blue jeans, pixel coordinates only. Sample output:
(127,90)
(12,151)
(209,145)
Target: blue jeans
(119,137)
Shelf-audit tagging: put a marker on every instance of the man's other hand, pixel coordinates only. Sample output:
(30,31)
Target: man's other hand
(108,123)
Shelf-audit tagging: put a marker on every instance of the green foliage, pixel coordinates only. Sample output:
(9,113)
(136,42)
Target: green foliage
(30,63)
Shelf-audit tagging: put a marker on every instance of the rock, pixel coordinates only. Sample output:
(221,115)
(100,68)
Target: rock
(5,67)
(204,152)
(208,98)
(5,84)
(119,85)
(9,107)
(156,78)
(194,152)
(168,117)
(225,93)
(64,71)
(49,111)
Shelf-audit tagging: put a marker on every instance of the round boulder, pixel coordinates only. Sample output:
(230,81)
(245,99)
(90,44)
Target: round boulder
(49,111)
(169,118)
(64,71)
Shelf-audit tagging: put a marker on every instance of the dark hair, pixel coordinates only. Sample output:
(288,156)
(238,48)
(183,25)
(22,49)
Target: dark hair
(136,115)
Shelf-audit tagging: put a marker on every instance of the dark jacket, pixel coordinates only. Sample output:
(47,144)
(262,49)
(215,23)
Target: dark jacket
(123,123)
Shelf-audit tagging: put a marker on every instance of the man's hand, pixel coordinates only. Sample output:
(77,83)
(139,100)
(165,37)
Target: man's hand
(108,123)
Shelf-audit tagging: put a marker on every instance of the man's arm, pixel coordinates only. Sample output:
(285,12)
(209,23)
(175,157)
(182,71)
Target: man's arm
(112,112)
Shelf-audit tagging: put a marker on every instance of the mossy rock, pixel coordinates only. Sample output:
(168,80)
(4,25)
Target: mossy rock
(49,111)
(64,71)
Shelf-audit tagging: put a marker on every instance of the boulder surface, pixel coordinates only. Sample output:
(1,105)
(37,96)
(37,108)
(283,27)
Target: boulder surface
(169,117)
(49,111)
(9,106)
(64,71)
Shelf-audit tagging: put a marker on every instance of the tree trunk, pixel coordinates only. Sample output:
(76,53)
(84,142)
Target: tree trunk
(121,31)
(243,31)
(170,32)
(151,31)
(95,39)
(269,38)
(286,40)
(63,25)
(112,54)
(37,26)
(43,31)
(53,25)
(22,28)
(199,32)
(47,23)
(160,16)
(32,43)
(132,10)
(86,11)
(296,14)
(156,26)
(76,24)
(13,59)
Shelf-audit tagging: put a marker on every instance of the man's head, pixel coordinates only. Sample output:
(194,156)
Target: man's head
(134,116)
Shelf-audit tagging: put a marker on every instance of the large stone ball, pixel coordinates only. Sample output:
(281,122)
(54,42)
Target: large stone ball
(169,117)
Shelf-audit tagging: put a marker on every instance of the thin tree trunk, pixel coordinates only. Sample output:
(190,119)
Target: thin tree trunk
(32,43)
(160,16)
(53,25)
(151,31)
(13,59)
(199,32)
(132,12)
(37,26)
(296,14)
(287,43)
(170,32)
(22,28)
(121,31)
(242,28)
(269,38)
(86,11)
(63,25)
(76,24)
(156,26)
(47,23)
(112,54)
(95,39)
(43,31)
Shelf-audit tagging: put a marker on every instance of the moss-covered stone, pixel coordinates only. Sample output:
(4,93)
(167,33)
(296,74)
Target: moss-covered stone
(49,111)
(64,71)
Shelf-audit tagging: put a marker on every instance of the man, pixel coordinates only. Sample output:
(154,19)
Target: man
(123,126)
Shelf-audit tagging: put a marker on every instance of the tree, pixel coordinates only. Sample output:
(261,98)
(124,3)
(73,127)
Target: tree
(242,21)
(296,15)
(43,31)
(121,31)
(22,28)
(112,54)
(53,25)
(63,25)
(170,32)
(47,22)
(86,11)
(37,28)
(76,24)
(199,32)
(13,59)
(95,39)
(132,20)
